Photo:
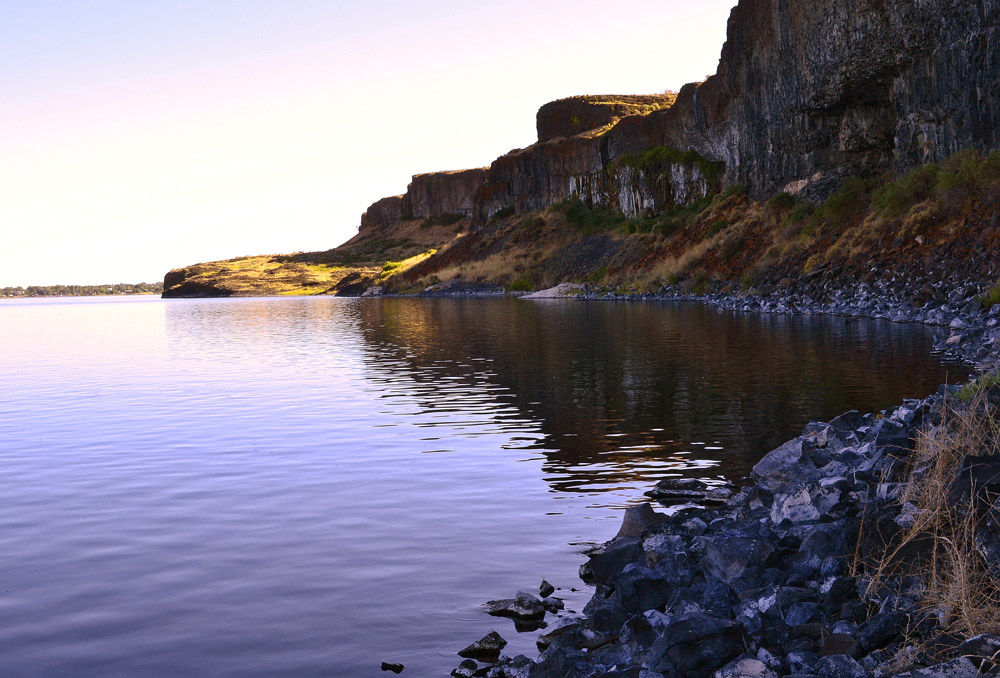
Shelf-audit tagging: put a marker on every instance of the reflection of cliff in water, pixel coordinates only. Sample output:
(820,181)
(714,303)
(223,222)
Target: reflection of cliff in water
(623,389)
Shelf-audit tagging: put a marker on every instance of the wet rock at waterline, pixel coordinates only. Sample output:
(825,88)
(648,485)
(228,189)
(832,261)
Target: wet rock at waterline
(762,585)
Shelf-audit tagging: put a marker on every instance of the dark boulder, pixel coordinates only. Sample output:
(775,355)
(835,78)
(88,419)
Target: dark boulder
(697,645)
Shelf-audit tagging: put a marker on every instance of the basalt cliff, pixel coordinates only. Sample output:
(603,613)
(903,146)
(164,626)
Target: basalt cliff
(806,96)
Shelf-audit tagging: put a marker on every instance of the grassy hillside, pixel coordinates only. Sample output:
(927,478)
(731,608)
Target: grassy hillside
(726,242)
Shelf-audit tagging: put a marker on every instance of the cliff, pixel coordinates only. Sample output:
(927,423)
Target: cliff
(806,94)
(810,98)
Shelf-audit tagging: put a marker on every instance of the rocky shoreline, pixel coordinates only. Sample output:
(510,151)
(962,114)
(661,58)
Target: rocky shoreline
(766,580)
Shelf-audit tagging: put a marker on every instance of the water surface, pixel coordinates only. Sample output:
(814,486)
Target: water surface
(308,487)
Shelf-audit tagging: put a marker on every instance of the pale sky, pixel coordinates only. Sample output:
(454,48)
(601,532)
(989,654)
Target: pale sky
(144,135)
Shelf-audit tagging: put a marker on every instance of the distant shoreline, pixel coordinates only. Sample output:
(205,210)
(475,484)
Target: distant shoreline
(107,290)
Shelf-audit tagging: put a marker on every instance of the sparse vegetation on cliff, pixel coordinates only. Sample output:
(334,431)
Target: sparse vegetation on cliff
(656,161)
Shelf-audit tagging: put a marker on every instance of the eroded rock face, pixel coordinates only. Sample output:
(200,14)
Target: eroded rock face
(444,193)
(384,213)
(807,93)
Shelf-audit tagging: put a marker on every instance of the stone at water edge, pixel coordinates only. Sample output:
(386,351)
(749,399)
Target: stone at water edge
(561,291)
(487,649)
(783,466)
(638,519)
(395,668)
(523,606)
(546,589)
(467,669)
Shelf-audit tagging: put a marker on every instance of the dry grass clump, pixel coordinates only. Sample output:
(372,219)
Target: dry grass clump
(939,546)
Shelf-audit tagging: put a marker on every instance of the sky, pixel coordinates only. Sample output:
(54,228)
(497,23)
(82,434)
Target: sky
(144,136)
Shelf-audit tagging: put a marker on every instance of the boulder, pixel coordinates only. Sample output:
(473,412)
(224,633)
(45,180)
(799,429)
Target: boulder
(638,519)
(961,667)
(467,669)
(487,649)
(784,466)
(523,606)
(612,559)
(840,666)
(727,558)
(697,644)
(746,667)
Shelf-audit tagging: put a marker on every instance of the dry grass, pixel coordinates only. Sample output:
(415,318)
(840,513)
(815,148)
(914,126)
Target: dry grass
(958,587)
(271,275)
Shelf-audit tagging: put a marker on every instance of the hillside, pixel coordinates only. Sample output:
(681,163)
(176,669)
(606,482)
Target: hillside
(815,106)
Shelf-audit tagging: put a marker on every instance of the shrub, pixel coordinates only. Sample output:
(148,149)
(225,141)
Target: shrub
(991,297)
(443,220)
(718,227)
(657,160)
(799,213)
(700,282)
(848,202)
(588,218)
(896,198)
(782,202)
(523,283)
(734,191)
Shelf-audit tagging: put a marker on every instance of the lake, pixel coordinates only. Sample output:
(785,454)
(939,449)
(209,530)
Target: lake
(311,486)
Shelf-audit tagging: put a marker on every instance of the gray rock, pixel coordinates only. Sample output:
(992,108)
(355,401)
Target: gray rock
(983,647)
(487,649)
(523,606)
(697,644)
(467,669)
(840,666)
(395,668)
(956,668)
(611,559)
(546,589)
(678,489)
(785,465)
(727,558)
(638,519)
(746,667)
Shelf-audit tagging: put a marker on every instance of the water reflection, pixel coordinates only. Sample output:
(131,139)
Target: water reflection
(630,391)
(306,487)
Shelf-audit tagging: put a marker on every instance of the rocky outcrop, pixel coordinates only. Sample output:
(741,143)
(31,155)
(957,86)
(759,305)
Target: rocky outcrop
(444,193)
(569,117)
(780,580)
(385,213)
(807,93)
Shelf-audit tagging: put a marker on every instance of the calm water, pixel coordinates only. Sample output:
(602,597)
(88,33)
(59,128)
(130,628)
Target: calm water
(308,487)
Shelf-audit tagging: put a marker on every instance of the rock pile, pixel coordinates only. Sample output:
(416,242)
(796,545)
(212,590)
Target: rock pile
(771,582)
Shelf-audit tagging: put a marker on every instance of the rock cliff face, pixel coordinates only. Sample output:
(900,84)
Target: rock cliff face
(444,193)
(810,91)
(807,93)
